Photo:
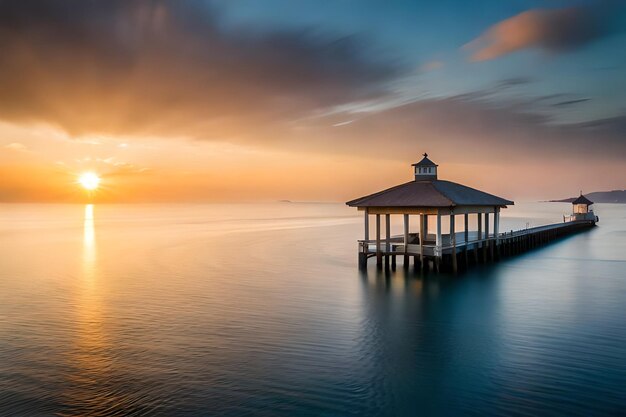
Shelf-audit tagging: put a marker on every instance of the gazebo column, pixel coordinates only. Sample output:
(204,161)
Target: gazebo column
(367,228)
(438,242)
(453,242)
(379,255)
(406,240)
(487,242)
(366,238)
(423,225)
(465,236)
(496,229)
(496,224)
(387,237)
(466,228)
(479,236)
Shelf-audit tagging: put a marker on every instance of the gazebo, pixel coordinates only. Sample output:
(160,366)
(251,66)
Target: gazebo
(581,210)
(428,197)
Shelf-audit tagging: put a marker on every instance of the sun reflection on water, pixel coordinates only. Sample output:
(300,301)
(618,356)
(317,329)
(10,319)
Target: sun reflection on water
(90,354)
(89,244)
(89,335)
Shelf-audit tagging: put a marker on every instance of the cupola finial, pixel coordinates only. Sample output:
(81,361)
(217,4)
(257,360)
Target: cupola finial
(425,155)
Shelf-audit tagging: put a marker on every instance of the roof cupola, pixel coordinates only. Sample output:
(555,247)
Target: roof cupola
(425,170)
(581,204)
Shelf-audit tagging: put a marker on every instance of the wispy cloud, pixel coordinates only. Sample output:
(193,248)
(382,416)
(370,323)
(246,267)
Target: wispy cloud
(344,123)
(16,146)
(571,102)
(481,126)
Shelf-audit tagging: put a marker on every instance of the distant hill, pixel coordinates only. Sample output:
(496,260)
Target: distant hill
(615,196)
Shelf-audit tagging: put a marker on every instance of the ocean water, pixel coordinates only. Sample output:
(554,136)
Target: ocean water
(259,309)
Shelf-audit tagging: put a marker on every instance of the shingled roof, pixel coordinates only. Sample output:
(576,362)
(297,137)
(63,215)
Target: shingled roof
(435,193)
(582,200)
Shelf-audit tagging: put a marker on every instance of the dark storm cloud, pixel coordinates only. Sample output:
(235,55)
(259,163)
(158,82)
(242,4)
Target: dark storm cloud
(553,30)
(168,68)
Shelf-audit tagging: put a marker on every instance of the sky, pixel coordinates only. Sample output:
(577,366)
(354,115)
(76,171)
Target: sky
(242,100)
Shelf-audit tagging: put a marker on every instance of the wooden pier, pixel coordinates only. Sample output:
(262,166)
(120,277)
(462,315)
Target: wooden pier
(463,249)
(429,198)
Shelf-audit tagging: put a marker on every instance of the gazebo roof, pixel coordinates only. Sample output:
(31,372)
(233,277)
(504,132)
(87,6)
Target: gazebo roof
(582,200)
(435,193)
(425,162)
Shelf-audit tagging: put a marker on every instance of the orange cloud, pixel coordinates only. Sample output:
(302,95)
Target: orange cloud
(553,30)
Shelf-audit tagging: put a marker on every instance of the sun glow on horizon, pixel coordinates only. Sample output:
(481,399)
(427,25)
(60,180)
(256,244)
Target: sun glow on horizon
(89,181)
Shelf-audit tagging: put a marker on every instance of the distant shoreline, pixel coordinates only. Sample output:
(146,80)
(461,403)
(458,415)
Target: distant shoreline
(611,197)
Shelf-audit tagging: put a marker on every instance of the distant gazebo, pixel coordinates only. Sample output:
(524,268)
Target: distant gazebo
(581,210)
(427,196)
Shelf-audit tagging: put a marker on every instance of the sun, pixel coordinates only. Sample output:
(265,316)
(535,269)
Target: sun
(89,181)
